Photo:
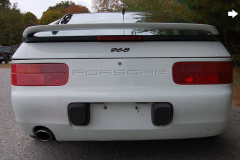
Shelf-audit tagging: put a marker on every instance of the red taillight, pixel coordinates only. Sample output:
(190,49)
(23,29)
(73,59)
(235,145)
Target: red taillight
(39,74)
(3,53)
(190,73)
(119,38)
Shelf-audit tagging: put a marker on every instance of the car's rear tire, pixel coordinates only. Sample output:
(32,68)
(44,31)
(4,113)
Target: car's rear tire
(6,61)
(0,62)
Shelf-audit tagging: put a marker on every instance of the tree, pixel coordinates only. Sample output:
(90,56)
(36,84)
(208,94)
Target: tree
(76,9)
(30,19)
(106,5)
(50,16)
(61,6)
(14,6)
(5,4)
(215,13)
(54,13)
(12,26)
(163,6)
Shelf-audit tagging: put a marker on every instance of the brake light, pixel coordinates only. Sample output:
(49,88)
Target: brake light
(3,53)
(190,73)
(119,38)
(39,74)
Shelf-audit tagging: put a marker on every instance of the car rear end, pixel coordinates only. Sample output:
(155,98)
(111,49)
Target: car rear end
(120,86)
(1,54)
(5,54)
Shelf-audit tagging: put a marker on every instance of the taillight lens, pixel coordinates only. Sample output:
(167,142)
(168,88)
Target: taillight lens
(3,53)
(119,38)
(39,74)
(190,73)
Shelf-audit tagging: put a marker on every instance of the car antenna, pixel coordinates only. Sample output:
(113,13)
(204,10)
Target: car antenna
(123,11)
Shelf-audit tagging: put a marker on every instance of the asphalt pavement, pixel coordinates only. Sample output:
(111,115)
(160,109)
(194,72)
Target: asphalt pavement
(15,144)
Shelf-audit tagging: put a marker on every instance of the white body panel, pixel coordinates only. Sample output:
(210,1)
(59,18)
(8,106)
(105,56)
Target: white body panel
(199,110)
(137,49)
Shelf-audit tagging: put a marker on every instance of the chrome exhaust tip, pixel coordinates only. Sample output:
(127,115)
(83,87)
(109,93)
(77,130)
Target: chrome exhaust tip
(43,135)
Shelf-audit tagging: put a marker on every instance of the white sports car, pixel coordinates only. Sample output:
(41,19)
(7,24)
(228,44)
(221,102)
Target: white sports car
(100,77)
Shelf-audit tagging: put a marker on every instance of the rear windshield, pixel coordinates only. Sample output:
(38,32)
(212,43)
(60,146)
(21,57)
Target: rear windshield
(4,49)
(128,18)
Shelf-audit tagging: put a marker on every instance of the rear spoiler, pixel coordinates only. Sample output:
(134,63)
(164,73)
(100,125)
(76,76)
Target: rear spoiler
(30,31)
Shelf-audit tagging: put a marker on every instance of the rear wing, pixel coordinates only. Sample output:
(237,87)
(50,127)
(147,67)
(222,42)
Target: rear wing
(30,31)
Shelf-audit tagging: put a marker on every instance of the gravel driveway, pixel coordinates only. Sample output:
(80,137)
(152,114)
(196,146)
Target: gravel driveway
(15,144)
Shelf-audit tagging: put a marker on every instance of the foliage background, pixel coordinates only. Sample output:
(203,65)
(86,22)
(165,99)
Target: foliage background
(13,21)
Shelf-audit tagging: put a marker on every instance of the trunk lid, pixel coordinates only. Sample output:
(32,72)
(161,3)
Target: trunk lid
(102,50)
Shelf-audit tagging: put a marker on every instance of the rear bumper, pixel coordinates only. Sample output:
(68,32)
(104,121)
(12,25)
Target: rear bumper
(196,114)
(65,132)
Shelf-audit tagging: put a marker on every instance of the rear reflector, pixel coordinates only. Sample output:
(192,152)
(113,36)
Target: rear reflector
(119,38)
(39,74)
(190,73)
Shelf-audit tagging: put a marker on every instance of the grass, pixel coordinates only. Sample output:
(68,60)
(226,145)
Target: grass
(236,86)
(236,76)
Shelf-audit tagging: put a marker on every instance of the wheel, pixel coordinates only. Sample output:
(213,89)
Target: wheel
(0,62)
(6,60)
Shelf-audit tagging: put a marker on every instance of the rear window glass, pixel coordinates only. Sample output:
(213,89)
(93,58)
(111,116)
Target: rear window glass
(4,49)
